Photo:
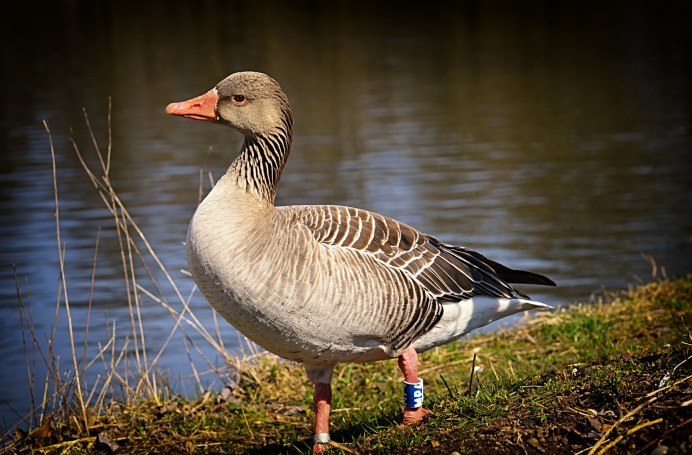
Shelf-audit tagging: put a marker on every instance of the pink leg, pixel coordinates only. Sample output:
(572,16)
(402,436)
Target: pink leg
(408,363)
(323,404)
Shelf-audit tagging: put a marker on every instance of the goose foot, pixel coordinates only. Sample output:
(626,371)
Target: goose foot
(413,415)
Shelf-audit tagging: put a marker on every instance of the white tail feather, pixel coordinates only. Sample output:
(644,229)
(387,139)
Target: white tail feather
(460,318)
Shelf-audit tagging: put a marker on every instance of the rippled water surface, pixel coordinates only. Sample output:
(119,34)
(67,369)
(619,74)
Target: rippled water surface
(550,137)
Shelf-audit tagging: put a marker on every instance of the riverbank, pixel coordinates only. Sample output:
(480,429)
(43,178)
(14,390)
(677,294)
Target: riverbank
(613,375)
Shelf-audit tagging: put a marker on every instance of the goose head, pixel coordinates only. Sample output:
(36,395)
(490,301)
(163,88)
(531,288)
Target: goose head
(251,102)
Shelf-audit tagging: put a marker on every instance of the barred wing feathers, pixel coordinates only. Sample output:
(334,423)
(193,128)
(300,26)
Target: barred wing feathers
(445,273)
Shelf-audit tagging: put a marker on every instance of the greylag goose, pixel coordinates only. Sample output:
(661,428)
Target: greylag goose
(322,284)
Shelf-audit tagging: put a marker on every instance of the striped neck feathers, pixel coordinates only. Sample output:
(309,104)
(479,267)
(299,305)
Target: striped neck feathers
(262,158)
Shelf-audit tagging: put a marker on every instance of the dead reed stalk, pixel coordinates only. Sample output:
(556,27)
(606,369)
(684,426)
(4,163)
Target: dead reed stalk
(124,366)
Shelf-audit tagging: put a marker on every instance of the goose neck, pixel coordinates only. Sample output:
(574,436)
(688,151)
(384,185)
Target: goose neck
(258,167)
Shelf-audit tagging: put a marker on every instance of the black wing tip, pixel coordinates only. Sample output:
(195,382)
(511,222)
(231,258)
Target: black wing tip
(538,279)
(524,277)
(515,276)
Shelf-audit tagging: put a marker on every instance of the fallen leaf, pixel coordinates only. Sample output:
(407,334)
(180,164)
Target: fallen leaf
(664,381)
(595,423)
(534,442)
(167,407)
(293,410)
(44,430)
(19,434)
(105,443)
(226,393)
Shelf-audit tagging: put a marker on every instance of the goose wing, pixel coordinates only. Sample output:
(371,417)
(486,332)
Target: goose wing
(434,271)
(446,272)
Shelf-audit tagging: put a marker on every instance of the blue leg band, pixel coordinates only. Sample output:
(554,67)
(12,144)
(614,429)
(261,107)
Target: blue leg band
(413,394)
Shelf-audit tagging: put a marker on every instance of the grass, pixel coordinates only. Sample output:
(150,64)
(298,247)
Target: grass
(610,376)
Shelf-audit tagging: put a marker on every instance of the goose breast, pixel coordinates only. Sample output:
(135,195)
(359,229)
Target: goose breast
(300,298)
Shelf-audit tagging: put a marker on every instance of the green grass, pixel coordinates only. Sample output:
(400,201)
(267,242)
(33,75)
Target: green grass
(560,383)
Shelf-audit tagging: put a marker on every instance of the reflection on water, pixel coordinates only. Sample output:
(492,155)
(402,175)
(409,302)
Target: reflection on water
(551,137)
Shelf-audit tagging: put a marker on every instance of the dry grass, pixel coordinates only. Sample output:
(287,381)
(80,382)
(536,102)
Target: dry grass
(561,383)
(125,367)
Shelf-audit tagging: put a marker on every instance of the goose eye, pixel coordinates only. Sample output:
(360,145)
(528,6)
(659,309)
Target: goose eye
(239,100)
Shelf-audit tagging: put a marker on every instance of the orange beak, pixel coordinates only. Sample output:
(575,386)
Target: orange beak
(201,108)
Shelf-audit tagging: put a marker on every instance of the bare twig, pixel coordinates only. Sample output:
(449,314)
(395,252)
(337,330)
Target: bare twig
(75,364)
(451,394)
(624,418)
(30,359)
(473,370)
(89,306)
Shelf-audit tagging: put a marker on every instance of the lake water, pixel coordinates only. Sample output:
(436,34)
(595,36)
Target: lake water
(550,137)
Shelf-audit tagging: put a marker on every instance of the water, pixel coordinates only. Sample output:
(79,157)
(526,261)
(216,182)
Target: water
(551,137)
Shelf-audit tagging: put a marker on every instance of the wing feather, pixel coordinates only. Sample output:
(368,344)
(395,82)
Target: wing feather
(442,272)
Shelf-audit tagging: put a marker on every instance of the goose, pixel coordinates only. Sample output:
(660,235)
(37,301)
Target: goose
(326,284)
